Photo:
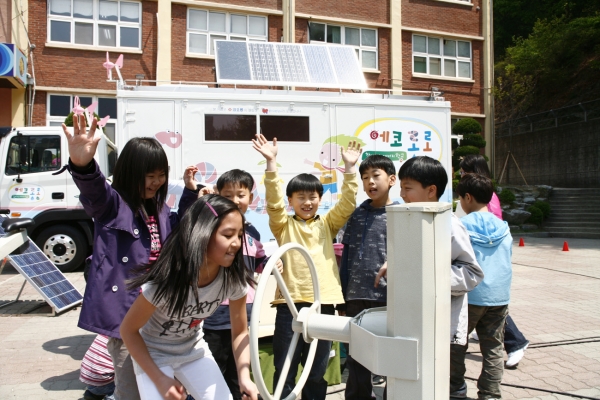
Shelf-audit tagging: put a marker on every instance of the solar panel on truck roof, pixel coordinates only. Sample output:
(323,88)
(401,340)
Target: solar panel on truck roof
(39,271)
(288,64)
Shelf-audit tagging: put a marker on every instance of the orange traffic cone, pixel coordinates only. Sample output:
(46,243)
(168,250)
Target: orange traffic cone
(565,246)
(522,242)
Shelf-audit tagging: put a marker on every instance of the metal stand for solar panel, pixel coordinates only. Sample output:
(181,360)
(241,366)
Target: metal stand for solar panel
(34,266)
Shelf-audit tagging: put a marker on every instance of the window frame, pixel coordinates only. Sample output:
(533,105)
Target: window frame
(442,57)
(95,21)
(360,48)
(57,120)
(248,37)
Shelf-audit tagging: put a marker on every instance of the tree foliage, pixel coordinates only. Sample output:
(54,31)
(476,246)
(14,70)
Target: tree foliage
(557,64)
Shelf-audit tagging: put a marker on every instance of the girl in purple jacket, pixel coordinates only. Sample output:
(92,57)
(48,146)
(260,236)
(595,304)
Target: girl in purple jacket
(201,265)
(131,222)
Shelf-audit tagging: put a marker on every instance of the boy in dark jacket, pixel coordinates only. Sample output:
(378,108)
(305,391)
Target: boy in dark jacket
(365,241)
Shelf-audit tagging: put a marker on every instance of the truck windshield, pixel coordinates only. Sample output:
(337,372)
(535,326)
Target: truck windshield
(30,154)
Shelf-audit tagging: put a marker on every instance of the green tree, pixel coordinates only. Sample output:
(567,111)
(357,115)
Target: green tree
(471,142)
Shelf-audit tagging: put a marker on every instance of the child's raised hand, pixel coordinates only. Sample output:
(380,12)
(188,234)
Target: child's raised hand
(206,190)
(82,143)
(189,177)
(261,144)
(351,154)
(170,389)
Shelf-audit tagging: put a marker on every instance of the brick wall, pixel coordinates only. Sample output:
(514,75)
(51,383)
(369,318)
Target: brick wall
(374,80)
(443,16)
(268,4)
(362,10)
(74,68)
(466,97)
(201,69)
(39,109)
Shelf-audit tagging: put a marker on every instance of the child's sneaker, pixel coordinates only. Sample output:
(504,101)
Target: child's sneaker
(460,393)
(515,357)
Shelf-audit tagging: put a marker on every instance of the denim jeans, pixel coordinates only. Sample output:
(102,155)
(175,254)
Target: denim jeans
(513,338)
(316,386)
(105,390)
(359,385)
(489,323)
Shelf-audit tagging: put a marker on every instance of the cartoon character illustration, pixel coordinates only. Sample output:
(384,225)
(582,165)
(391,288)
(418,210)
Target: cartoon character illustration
(330,160)
(170,139)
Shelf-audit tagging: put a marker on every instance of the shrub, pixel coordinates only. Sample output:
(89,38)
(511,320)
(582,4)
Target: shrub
(536,217)
(460,152)
(475,140)
(544,206)
(466,126)
(506,196)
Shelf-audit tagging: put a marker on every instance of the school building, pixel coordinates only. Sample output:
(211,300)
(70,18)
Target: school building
(402,45)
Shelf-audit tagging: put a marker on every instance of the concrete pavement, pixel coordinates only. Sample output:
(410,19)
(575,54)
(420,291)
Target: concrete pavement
(555,303)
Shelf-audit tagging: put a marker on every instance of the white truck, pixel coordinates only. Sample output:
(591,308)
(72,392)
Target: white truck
(212,128)
(29,188)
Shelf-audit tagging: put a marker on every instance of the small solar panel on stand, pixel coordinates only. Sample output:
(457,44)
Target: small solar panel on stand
(36,268)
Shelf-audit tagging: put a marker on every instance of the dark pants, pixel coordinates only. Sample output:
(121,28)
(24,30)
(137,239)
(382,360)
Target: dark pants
(513,338)
(489,323)
(359,385)
(219,343)
(316,386)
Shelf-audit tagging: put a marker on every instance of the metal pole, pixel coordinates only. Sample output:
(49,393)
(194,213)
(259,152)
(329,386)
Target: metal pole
(419,295)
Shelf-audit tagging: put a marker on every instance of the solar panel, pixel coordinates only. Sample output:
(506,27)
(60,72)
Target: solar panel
(288,64)
(39,271)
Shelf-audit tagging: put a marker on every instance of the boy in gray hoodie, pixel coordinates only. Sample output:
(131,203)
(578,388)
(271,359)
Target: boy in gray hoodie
(488,302)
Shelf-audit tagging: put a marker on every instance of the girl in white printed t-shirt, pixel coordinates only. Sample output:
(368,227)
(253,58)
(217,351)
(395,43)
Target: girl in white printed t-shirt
(200,265)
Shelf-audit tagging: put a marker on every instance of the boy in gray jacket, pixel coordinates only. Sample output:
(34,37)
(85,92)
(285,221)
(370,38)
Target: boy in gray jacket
(424,179)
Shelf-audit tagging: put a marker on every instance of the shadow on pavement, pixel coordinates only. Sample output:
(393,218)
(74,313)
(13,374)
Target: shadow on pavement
(68,381)
(73,346)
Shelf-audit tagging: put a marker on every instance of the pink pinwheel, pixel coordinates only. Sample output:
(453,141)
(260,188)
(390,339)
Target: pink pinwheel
(89,112)
(103,121)
(77,109)
(109,65)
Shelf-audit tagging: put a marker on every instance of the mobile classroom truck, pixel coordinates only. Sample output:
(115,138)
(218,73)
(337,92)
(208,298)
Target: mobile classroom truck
(212,128)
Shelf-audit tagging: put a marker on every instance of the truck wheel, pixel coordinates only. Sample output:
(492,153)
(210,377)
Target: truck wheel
(63,245)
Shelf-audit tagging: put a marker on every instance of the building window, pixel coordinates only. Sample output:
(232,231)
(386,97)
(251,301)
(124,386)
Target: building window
(363,40)
(60,106)
(442,57)
(95,22)
(204,27)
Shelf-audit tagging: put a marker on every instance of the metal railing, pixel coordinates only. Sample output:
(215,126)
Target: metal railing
(581,112)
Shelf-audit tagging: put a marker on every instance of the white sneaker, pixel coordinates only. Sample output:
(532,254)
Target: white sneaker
(474,336)
(515,357)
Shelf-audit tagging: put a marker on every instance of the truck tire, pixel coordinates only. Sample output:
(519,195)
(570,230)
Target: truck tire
(64,245)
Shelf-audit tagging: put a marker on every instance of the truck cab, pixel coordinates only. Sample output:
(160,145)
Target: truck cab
(33,186)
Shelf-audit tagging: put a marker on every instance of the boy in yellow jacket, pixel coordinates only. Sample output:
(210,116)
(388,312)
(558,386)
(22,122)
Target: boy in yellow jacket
(316,233)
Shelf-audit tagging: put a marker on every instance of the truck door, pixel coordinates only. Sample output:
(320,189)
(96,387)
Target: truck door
(28,185)
(156,119)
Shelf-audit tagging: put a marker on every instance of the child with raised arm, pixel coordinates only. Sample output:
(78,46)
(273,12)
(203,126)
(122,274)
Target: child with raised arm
(488,302)
(365,244)
(235,185)
(423,179)
(316,233)
(200,266)
(131,222)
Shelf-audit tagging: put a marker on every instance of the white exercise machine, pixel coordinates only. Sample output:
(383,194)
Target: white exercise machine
(409,340)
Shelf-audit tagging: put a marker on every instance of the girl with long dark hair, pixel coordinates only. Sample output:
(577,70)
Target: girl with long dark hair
(200,265)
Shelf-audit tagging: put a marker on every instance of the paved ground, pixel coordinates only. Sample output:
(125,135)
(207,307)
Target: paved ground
(555,302)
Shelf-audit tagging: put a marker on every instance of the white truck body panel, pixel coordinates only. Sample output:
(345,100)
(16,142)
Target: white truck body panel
(399,127)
